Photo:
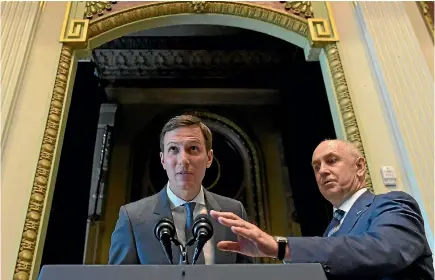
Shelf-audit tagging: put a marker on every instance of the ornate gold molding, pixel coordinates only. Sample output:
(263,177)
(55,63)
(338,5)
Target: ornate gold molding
(345,102)
(74,31)
(300,8)
(97,8)
(322,30)
(199,6)
(428,18)
(44,167)
(282,19)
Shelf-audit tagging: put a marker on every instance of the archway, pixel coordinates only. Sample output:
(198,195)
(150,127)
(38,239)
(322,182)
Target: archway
(79,36)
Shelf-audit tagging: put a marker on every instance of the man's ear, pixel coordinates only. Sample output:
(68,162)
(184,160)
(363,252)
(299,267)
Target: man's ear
(360,166)
(162,160)
(209,158)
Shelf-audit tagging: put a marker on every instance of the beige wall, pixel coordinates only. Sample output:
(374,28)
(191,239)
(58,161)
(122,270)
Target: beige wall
(21,149)
(392,92)
(377,140)
(421,32)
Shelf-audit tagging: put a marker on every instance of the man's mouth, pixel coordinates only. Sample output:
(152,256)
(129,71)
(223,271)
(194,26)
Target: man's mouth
(327,181)
(184,173)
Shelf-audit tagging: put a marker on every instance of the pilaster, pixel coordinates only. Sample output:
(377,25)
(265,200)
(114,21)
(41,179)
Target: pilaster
(406,92)
(19,21)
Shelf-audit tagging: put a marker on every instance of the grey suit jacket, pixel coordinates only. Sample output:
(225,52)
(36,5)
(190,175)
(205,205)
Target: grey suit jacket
(133,240)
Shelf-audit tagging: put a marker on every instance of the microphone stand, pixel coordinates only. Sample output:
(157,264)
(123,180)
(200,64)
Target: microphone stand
(184,257)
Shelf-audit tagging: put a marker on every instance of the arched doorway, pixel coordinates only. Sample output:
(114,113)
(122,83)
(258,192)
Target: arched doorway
(77,33)
(255,112)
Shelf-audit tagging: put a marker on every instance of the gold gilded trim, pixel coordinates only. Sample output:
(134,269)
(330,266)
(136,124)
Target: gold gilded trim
(345,102)
(425,11)
(322,31)
(74,31)
(111,21)
(300,8)
(31,231)
(97,8)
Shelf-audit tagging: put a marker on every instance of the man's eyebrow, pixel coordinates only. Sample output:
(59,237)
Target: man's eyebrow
(187,141)
(329,154)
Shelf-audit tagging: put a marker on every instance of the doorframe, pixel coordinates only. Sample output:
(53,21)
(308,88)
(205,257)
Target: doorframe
(317,36)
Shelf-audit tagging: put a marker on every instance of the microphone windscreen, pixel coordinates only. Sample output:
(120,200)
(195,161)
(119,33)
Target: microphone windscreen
(205,217)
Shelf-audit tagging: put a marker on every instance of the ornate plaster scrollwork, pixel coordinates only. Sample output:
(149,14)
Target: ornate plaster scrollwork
(43,170)
(300,8)
(199,6)
(343,97)
(97,8)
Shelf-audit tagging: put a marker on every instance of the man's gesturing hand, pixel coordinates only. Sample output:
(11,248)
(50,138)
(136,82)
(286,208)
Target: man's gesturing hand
(251,241)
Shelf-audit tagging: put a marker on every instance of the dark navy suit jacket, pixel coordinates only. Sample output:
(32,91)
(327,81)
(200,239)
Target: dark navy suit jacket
(382,237)
(133,240)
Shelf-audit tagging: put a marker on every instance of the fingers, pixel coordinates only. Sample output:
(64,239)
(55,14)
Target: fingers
(228,215)
(229,246)
(230,223)
(230,219)
(250,234)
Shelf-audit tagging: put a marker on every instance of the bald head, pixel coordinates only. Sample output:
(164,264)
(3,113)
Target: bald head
(343,145)
(339,168)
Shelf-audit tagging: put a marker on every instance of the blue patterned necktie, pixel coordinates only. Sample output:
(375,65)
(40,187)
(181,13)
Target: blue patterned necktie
(189,220)
(335,223)
(190,206)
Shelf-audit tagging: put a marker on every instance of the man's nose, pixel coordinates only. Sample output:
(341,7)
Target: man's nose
(324,169)
(183,158)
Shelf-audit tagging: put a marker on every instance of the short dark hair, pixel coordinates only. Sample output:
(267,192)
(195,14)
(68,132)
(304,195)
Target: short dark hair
(187,120)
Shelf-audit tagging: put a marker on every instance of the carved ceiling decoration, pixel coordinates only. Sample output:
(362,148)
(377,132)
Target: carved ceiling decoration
(144,58)
(97,8)
(299,8)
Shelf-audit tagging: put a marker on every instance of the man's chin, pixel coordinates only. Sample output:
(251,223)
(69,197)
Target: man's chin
(185,186)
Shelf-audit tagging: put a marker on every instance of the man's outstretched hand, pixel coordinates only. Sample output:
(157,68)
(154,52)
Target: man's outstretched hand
(251,241)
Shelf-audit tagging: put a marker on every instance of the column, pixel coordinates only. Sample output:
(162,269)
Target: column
(19,21)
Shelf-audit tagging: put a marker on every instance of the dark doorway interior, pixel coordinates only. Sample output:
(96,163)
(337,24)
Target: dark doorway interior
(64,243)
(302,116)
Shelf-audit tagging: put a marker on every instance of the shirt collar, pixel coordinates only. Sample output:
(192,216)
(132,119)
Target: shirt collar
(175,201)
(348,203)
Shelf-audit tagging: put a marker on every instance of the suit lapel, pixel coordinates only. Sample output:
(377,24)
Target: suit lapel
(163,209)
(355,212)
(220,231)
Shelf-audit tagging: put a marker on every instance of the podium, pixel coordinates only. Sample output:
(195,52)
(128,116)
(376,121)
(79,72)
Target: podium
(311,271)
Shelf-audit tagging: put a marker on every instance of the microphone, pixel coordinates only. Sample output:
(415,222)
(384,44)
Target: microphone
(164,230)
(202,230)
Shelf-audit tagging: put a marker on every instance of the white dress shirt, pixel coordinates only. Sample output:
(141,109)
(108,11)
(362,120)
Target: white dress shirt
(348,203)
(345,206)
(179,216)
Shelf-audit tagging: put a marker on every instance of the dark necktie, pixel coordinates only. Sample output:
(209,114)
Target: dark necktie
(190,206)
(335,223)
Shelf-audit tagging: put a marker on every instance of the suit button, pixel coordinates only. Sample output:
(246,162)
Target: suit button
(326,268)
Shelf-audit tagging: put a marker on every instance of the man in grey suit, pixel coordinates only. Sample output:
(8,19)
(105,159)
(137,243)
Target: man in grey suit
(186,153)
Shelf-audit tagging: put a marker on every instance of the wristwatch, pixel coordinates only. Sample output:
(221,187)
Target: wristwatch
(282,244)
